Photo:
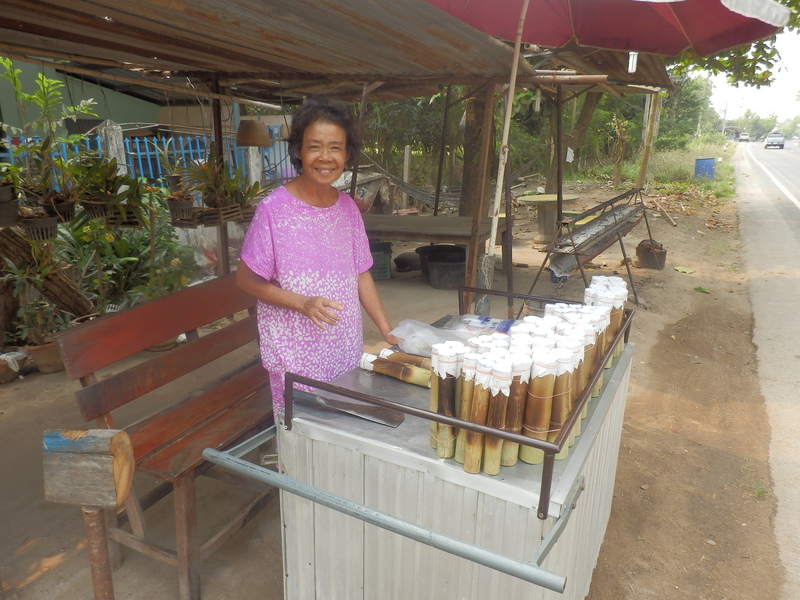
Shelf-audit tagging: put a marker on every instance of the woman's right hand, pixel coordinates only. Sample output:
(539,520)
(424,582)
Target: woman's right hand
(321,311)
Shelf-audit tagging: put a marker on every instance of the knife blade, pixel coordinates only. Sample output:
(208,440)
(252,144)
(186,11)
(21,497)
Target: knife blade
(376,414)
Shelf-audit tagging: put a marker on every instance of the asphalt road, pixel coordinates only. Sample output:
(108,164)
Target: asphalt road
(769,213)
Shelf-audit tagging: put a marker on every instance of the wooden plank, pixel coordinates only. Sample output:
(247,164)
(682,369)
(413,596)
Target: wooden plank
(176,422)
(147,548)
(239,422)
(453,230)
(123,387)
(104,341)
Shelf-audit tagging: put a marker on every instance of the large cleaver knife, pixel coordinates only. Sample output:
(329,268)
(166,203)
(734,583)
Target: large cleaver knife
(376,414)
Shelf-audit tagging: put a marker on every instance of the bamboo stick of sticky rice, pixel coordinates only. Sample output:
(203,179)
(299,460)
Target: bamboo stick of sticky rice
(403,372)
(561,398)
(468,368)
(496,416)
(409,359)
(520,375)
(539,405)
(575,345)
(588,360)
(446,375)
(434,397)
(473,453)
(599,322)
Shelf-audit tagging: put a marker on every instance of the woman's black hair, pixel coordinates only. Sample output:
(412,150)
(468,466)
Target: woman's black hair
(320,108)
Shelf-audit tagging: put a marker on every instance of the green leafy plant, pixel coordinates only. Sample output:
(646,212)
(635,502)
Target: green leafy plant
(37,320)
(221,187)
(43,174)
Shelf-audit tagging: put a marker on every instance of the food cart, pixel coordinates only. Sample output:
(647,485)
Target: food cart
(369,511)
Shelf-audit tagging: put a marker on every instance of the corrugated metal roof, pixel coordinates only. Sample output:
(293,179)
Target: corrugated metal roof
(266,50)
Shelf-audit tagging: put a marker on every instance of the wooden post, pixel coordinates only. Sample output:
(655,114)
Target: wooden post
(92,469)
(641,180)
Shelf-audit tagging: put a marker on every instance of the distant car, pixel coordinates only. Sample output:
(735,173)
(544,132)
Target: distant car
(744,137)
(774,139)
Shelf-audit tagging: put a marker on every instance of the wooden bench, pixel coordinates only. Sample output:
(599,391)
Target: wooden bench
(230,404)
(584,236)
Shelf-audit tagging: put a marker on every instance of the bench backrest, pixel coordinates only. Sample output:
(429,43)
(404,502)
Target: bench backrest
(102,342)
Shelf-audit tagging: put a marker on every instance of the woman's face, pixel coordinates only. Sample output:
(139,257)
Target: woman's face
(324,152)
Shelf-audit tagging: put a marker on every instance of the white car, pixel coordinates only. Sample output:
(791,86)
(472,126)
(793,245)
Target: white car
(774,139)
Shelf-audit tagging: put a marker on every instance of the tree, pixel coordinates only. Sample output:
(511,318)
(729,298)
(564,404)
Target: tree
(747,65)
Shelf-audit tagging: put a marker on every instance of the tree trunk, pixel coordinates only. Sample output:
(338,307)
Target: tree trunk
(577,138)
(476,107)
(57,288)
(574,140)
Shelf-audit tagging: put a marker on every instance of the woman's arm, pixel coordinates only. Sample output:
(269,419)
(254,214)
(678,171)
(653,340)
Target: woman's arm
(371,301)
(321,311)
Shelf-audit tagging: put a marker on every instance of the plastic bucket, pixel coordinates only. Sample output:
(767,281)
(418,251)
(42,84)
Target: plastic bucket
(447,275)
(440,253)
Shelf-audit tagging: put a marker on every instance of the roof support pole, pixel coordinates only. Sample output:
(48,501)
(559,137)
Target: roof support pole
(480,208)
(223,258)
(441,152)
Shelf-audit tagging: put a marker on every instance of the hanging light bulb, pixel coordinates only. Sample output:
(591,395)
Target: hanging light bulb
(252,132)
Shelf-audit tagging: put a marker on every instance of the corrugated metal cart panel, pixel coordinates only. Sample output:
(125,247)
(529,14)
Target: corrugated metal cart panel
(334,556)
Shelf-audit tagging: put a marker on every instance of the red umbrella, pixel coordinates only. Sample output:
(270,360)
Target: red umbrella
(658,27)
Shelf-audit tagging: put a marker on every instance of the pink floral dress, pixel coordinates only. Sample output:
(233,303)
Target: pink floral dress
(314,252)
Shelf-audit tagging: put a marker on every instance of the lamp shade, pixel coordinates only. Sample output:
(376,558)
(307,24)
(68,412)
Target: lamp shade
(252,133)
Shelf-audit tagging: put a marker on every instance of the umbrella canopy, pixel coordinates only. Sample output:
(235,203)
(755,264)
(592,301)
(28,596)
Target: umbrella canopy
(659,27)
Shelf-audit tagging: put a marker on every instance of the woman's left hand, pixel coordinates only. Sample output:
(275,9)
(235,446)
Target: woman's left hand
(392,339)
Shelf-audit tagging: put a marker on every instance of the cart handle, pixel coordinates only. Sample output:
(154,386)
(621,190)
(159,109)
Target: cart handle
(529,572)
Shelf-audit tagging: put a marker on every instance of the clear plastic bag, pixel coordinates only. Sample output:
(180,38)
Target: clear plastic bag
(417,337)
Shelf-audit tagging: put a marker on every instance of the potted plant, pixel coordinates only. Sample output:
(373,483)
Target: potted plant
(106,191)
(173,169)
(37,320)
(224,191)
(9,180)
(45,176)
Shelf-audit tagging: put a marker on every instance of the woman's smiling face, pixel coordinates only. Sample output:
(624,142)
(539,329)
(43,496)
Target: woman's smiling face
(324,152)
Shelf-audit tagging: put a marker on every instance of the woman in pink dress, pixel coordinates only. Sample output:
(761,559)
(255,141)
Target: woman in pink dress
(306,257)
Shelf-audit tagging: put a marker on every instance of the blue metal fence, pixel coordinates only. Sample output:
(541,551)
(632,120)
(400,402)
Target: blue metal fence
(142,154)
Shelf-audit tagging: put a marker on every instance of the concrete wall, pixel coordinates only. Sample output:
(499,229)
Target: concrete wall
(118,107)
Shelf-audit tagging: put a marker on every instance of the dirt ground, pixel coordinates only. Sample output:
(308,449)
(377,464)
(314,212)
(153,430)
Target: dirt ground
(693,509)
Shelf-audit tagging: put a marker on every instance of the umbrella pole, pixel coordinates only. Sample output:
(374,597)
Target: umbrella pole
(559,154)
(488,267)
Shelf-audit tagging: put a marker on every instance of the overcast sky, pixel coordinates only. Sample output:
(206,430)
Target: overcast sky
(779,99)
